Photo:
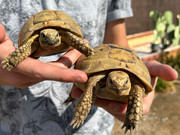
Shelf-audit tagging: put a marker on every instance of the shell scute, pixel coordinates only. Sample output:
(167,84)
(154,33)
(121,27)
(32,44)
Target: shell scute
(111,57)
(45,19)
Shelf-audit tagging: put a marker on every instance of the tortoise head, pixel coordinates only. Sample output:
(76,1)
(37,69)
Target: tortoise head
(49,38)
(118,82)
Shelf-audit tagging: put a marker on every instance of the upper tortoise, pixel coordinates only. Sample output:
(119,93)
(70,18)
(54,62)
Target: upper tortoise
(114,73)
(47,32)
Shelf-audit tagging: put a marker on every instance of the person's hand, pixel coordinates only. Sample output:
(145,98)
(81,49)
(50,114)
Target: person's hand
(118,109)
(31,71)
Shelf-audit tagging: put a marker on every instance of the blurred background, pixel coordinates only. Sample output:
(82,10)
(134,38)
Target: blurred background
(141,21)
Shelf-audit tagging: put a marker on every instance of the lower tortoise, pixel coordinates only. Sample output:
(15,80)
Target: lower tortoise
(114,73)
(47,32)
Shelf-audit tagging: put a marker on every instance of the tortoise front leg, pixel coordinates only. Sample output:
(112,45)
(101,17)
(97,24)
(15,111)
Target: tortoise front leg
(77,43)
(86,100)
(83,107)
(14,58)
(134,109)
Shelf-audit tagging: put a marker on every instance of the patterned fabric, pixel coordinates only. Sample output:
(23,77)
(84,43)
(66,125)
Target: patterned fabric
(39,109)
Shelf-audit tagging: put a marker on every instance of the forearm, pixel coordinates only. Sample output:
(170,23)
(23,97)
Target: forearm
(116,33)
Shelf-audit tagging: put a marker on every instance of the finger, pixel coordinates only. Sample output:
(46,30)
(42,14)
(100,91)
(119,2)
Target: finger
(76,93)
(2,33)
(118,107)
(6,47)
(163,71)
(119,116)
(68,59)
(25,85)
(147,102)
(86,40)
(3,36)
(14,79)
(153,82)
(43,71)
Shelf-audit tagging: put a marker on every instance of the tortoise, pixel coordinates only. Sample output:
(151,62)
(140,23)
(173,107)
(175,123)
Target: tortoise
(47,32)
(114,73)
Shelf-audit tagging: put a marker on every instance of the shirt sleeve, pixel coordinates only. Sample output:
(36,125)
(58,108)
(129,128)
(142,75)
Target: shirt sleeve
(119,9)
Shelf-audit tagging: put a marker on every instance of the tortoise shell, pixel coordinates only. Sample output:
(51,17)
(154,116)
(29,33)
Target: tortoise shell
(110,57)
(45,19)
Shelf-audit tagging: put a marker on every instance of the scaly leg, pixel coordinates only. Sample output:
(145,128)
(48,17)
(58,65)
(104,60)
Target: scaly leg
(86,100)
(77,43)
(134,109)
(14,58)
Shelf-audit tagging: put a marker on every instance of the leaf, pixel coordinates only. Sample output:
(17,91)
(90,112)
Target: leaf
(168,17)
(161,27)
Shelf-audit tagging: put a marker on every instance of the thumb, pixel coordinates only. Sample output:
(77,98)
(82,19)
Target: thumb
(163,71)
(2,33)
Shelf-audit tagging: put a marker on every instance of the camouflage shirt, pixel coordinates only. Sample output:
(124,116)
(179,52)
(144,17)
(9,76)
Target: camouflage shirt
(39,109)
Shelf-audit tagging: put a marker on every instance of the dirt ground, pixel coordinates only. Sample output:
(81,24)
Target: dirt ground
(163,118)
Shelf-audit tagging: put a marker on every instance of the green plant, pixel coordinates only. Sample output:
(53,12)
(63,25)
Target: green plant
(163,85)
(176,39)
(174,62)
(165,32)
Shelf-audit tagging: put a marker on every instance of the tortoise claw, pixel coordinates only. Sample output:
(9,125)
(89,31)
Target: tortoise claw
(7,64)
(76,123)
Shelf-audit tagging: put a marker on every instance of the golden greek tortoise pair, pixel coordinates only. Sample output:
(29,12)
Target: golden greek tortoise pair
(114,72)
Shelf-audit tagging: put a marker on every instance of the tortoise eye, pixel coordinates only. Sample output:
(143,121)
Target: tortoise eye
(126,82)
(57,35)
(43,35)
(111,82)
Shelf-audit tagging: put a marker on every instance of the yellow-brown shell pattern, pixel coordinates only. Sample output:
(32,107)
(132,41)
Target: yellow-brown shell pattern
(109,57)
(48,18)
